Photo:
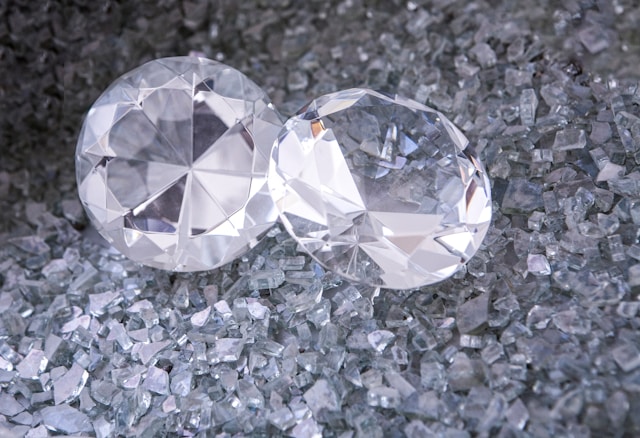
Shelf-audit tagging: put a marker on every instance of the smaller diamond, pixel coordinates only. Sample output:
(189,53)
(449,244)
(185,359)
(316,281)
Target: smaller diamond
(379,189)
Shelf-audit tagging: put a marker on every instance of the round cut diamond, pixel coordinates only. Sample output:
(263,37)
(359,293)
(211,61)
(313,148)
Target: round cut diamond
(172,160)
(380,190)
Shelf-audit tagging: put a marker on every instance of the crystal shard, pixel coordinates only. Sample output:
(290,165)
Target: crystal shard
(171,163)
(381,190)
(68,386)
(9,406)
(65,420)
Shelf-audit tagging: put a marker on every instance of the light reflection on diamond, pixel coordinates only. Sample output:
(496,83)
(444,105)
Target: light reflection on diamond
(172,161)
(380,190)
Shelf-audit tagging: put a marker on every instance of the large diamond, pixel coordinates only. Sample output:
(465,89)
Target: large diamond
(172,161)
(380,190)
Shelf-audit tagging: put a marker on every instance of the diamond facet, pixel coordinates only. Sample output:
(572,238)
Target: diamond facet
(172,160)
(379,189)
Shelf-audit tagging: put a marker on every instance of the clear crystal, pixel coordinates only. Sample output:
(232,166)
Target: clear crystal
(627,356)
(9,406)
(171,163)
(568,139)
(517,415)
(528,106)
(65,419)
(538,265)
(157,381)
(226,350)
(322,396)
(68,386)
(32,365)
(379,339)
(473,315)
(384,397)
(380,189)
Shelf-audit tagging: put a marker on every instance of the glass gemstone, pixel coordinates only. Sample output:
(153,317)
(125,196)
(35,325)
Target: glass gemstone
(381,190)
(171,163)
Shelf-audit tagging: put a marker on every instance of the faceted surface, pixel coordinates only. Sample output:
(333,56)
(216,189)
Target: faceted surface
(171,163)
(380,189)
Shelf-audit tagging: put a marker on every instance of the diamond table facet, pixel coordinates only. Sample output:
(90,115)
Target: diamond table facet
(171,163)
(379,189)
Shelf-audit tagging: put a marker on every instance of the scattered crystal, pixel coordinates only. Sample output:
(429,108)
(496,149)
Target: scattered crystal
(292,263)
(181,383)
(473,315)
(536,220)
(322,396)
(118,333)
(568,139)
(23,418)
(395,380)
(538,265)
(594,38)
(32,244)
(79,322)
(250,395)
(417,429)
(553,94)
(257,310)
(156,381)
(492,353)
(517,415)
(528,106)
(484,54)
(522,196)
(379,339)
(37,432)
(282,418)
(266,279)
(600,132)
(628,309)
(464,373)
(146,352)
(569,321)
(98,303)
(471,341)
(617,407)
(67,387)
(66,420)
(570,404)
(517,78)
(616,248)
(307,429)
(9,406)
(226,350)
(627,357)
(200,318)
(103,428)
(156,147)
(32,365)
(610,171)
(384,397)
(493,414)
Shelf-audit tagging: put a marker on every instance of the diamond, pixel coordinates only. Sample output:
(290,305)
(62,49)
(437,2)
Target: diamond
(172,160)
(381,190)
